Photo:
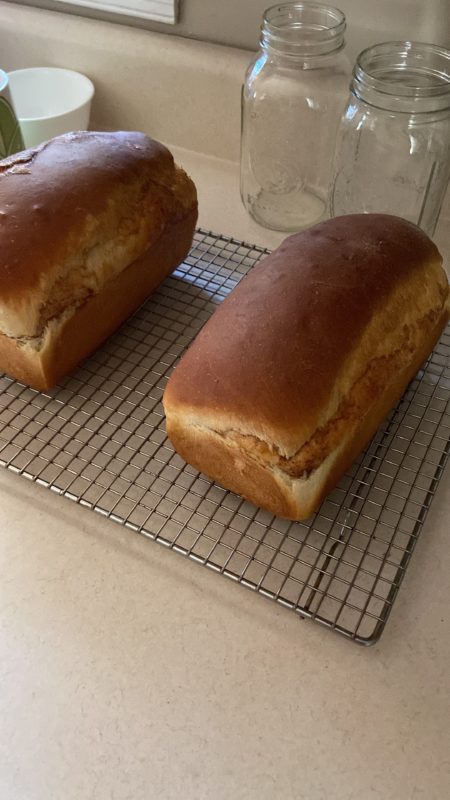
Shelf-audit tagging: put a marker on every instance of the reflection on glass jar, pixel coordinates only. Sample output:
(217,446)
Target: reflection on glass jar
(292,99)
(393,146)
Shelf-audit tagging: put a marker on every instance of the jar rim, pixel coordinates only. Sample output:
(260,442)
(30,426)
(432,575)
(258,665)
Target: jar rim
(405,69)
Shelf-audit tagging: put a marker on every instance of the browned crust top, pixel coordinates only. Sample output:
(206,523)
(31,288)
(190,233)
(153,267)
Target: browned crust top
(275,348)
(47,194)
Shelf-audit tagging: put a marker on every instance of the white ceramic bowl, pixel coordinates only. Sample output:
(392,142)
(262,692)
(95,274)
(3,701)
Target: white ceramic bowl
(50,101)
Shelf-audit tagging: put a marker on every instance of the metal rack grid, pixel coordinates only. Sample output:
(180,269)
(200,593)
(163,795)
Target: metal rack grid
(99,439)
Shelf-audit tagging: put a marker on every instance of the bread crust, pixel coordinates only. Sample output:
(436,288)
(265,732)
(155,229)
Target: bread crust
(90,224)
(288,382)
(235,466)
(78,333)
(74,212)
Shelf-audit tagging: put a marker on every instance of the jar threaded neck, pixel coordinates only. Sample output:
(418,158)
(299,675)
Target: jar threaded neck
(299,30)
(403,76)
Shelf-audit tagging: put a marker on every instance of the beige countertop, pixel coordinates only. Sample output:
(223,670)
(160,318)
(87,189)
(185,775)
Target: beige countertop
(128,672)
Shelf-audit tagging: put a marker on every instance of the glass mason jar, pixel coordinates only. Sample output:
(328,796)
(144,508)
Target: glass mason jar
(292,99)
(393,146)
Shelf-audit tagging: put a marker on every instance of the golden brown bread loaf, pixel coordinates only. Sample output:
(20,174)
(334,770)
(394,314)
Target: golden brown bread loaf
(292,375)
(90,224)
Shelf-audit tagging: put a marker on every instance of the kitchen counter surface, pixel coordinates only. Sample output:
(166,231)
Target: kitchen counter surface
(129,673)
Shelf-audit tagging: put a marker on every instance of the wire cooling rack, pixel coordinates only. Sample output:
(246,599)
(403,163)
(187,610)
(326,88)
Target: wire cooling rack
(99,439)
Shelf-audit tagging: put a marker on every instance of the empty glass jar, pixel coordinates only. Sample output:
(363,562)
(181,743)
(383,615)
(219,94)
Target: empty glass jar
(292,99)
(393,146)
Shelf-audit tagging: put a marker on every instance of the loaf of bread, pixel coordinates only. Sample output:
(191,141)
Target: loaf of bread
(90,224)
(293,374)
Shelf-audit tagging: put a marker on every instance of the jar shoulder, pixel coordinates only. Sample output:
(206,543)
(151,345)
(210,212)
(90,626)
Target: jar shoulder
(264,68)
(360,113)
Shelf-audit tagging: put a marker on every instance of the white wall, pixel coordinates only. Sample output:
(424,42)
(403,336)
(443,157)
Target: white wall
(236,22)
